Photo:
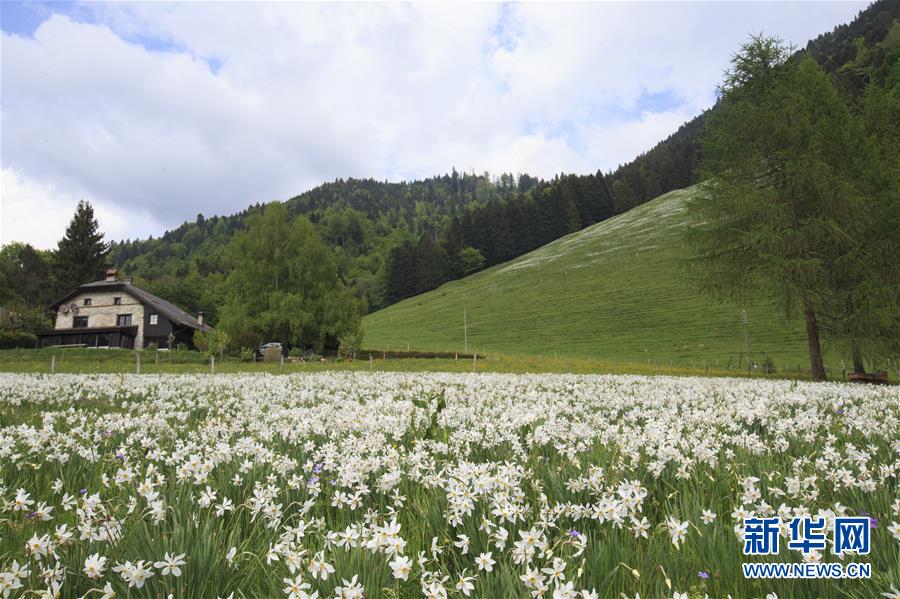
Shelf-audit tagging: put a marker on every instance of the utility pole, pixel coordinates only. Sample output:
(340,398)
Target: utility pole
(465,331)
(746,338)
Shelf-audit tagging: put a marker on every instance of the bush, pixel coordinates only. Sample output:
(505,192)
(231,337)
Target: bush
(248,354)
(14,339)
(350,343)
(211,342)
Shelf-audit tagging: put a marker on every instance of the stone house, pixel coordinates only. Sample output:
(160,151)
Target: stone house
(115,313)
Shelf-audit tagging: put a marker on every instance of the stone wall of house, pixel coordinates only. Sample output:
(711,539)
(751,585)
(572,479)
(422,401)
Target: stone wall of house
(103,312)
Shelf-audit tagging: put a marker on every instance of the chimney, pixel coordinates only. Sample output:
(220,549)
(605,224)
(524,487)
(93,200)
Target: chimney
(200,317)
(112,274)
(129,280)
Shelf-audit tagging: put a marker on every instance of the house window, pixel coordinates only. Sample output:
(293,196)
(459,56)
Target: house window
(117,301)
(87,301)
(154,319)
(123,320)
(80,322)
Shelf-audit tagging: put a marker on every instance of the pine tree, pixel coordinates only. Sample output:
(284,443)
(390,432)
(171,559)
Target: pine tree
(80,256)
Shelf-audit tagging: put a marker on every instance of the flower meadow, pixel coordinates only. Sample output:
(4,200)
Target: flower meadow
(432,485)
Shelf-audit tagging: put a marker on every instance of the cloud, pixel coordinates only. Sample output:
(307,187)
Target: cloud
(38,213)
(166,110)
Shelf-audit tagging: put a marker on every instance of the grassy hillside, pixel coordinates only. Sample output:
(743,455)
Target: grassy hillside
(617,291)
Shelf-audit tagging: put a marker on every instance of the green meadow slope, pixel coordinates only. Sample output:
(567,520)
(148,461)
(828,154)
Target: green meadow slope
(618,290)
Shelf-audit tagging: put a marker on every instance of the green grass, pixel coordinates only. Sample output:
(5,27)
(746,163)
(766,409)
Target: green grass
(91,361)
(619,291)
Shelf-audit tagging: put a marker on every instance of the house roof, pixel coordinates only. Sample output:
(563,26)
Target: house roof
(168,309)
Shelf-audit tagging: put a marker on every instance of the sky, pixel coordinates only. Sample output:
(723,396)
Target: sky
(155,112)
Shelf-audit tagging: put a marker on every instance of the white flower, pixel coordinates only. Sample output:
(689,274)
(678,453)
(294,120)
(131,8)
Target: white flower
(485,562)
(532,578)
(229,557)
(893,593)
(141,573)
(170,565)
(462,543)
(42,512)
(108,592)
(894,529)
(401,566)
(556,572)
(318,567)
(640,527)
(296,588)
(94,566)
(708,516)
(464,584)
(350,589)
(678,530)
(134,574)
(565,591)
(21,501)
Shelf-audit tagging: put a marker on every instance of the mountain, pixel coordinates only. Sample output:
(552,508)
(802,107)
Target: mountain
(618,290)
(854,54)
(396,240)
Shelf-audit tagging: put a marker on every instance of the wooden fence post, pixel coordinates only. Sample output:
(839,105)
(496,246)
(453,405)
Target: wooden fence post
(53,363)
(212,364)
(137,362)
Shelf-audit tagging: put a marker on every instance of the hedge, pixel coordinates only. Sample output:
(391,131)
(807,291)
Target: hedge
(15,339)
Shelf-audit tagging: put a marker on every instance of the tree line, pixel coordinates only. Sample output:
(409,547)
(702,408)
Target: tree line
(31,279)
(492,233)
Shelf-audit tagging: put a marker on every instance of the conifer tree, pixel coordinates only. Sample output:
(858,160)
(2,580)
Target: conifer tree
(777,209)
(80,256)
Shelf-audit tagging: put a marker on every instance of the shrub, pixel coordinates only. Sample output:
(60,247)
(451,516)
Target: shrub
(350,343)
(213,341)
(13,339)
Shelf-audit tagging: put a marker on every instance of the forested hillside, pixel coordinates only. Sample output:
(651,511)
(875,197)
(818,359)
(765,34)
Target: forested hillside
(396,240)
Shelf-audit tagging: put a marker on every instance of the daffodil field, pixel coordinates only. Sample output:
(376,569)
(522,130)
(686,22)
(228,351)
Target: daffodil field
(437,485)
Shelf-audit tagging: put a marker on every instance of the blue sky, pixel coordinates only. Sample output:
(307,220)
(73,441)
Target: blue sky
(158,111)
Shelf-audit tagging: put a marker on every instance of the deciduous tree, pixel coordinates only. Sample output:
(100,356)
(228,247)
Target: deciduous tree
(777,208)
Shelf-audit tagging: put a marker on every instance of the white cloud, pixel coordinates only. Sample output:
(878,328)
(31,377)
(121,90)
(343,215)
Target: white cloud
(303,93)
(38,213)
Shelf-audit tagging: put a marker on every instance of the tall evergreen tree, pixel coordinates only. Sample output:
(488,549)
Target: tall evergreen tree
(80,256)
(778,206)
